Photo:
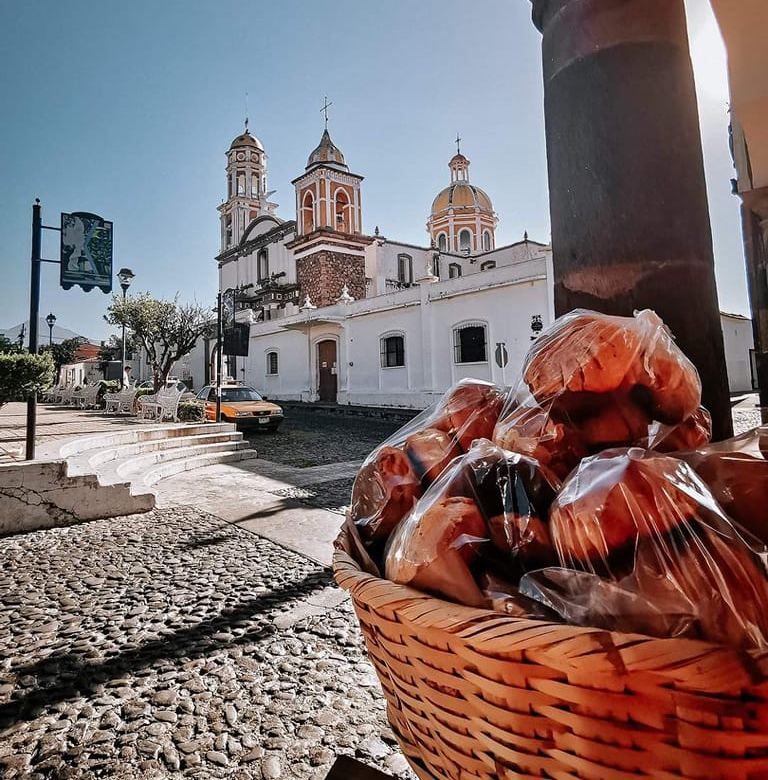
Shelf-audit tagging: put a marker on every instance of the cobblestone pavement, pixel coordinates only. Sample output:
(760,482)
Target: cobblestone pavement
(315,438)
(175,644)
(333,495)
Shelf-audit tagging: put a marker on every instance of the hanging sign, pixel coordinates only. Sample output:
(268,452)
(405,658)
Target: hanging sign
(236,339)
(86,252)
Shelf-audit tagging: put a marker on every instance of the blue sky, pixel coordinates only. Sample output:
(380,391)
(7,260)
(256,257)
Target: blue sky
(126,110)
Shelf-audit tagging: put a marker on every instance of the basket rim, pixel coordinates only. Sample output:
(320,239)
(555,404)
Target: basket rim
(696,664)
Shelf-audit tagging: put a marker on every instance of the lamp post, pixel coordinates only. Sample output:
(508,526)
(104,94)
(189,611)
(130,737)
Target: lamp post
(125,275)
(51,320)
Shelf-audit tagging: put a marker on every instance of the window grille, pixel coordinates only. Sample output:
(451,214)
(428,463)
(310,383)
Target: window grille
(392,351)
(469,343)
(272,362)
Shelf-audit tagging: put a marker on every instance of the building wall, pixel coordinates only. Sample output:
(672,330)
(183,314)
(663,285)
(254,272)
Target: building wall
(425,315)
(737,336)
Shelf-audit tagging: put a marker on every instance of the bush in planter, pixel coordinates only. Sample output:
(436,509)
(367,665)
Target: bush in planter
(22,373)
(107,386)
(192,411)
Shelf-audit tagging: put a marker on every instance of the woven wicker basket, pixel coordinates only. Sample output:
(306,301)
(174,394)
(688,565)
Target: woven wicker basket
(475,694)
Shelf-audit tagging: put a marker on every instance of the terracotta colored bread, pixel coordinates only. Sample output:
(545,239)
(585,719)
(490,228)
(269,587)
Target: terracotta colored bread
(725,590)
(432,551)
(384,491)
(620,422)
(694,432)
(588,352)
(430,451)
(614,499)
(531,431)
(739,483)
(471,410)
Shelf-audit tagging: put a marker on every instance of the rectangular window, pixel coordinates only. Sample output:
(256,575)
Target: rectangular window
(404,269)
(392,352)
(469,344)
(271,362)
(454,270)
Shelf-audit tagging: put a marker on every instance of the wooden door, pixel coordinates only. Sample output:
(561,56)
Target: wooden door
(327,372)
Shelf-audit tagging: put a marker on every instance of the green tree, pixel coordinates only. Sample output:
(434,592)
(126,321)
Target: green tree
(22,373)
(64,352)
(6,345)
(166,330)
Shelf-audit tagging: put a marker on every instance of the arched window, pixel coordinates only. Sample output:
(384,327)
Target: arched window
(262,265)
(254,185)
(241,182)
(392,350)
(469,343)
(308,213)
(486,241)
(454,270)
(404,269)
(341,210)
(465,240)
(487,265)
(228,230)
(436,266)
(272,363)
(442,242)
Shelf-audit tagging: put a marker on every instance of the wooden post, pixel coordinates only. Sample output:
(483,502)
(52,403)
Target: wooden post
(628,204)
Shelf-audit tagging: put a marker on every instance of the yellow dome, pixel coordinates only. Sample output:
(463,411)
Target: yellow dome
(461,194)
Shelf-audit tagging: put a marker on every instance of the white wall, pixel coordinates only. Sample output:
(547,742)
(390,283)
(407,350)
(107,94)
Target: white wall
(738,339)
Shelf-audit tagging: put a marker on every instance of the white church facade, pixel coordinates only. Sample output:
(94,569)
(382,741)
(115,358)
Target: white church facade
(343,316)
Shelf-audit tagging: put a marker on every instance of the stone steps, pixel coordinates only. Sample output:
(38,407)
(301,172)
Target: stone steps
(143,456)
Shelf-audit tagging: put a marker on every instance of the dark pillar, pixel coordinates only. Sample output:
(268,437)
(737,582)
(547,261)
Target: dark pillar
(754,222)
(630,223)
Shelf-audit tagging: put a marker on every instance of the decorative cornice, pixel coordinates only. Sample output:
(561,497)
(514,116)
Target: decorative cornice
(345,177)
(254,244)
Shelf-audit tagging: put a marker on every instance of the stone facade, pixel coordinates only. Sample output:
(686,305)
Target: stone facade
(322,276)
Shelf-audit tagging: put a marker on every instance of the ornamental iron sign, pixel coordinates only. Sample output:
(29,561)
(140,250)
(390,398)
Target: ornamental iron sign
(86,252)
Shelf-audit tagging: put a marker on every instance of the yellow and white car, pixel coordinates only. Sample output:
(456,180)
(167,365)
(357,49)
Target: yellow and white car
(243,406)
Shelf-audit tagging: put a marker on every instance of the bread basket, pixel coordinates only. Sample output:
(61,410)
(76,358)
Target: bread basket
(477,694)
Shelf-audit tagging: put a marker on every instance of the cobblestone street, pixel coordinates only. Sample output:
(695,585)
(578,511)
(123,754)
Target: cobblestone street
(308,438)
(174,642)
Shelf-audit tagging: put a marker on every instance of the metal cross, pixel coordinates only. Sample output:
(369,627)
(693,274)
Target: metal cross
(246,111)
(325,108)
(458,144)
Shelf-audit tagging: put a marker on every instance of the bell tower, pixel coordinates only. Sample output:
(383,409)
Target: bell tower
(247,194)
(330,244)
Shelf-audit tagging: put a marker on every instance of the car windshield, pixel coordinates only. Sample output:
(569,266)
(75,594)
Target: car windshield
(239,394)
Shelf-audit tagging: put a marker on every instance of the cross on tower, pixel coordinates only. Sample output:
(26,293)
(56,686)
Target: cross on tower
(458,144)
(246,111)
(324,109)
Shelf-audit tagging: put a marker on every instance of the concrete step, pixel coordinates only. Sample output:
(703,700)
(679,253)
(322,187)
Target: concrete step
(119,438)
(134,467)
(169,469)
(96,458)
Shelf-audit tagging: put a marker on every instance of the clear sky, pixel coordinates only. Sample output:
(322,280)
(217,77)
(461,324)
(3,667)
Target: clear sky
(126,109)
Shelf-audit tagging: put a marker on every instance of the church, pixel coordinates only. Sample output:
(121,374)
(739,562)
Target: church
(340,315)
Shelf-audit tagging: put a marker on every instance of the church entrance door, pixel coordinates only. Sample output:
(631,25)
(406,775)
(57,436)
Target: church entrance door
(327,371)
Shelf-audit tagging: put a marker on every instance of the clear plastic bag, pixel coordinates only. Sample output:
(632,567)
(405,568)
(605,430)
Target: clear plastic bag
(486,514)
(644,547)
(736,471)
(397,472)
(593,381)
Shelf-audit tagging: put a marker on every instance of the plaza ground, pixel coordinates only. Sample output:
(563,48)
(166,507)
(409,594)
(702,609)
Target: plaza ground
(204,639)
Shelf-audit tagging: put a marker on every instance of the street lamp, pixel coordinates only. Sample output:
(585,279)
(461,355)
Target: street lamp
(51,320)
(125,275)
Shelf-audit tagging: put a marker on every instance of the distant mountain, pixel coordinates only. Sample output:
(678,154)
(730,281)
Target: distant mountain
(59,334)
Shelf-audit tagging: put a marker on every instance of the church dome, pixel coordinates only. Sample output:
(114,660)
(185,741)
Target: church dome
(326,153)
(246,139)
(461,194)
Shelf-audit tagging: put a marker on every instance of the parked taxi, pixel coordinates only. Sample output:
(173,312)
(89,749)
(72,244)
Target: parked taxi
(243,406)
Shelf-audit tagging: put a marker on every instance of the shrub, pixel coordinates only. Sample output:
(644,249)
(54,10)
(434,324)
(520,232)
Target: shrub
(22,373)
(144,391)
(192,411)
